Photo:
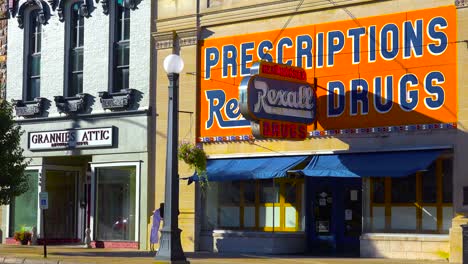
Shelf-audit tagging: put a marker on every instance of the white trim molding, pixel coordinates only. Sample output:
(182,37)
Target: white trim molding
(137,165)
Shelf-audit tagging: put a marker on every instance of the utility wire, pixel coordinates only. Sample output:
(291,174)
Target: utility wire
(284,26)
(354,19)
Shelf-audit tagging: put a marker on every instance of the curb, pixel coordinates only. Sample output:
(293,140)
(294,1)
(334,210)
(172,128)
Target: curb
(8,260)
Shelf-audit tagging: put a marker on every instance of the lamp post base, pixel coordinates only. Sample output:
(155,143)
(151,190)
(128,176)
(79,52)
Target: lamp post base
(157,261)
(170,248)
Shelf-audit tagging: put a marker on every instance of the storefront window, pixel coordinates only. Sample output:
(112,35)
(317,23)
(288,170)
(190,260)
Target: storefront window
(229,210)
(269,192)
(115,203)
(248,193)
(264,205)
(447,180)
(378,190)
(404,189)
(23,209)
(420,203)
(429,184)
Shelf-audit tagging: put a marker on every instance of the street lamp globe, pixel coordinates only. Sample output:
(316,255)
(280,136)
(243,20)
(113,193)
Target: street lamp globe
(173,64)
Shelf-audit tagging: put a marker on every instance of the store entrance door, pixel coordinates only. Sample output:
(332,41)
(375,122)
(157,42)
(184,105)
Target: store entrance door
(334,215)
(62,214)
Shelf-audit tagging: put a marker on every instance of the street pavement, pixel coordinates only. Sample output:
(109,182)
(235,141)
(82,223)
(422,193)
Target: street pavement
(80,255)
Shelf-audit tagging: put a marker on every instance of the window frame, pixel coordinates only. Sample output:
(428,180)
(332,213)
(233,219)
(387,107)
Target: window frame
(94,167)
(68,46)
(115,42)
(38,169)
(30,14)
(419,204)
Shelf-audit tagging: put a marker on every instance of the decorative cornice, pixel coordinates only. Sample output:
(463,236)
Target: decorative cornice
(29,108)
(52,3)
(164,40)
(105,6)
(164,44)
(11,8)
(72,105)
(84,9)
(117,101)
(41,14)
(130,4)
(461,3)
(187,38)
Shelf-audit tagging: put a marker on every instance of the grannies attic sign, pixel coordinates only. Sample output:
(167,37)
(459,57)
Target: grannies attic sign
(71,139)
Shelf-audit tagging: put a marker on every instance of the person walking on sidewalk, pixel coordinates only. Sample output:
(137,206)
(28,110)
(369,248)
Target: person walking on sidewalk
(157,217)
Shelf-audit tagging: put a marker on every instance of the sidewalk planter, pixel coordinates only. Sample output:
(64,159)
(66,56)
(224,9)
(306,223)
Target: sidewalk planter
(23,237)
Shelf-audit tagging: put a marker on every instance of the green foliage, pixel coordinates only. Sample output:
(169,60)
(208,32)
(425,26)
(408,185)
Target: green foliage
(195,157)
(13,182)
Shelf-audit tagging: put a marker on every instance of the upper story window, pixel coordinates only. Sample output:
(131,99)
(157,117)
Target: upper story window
(120,46)
(32,41)
(74,47)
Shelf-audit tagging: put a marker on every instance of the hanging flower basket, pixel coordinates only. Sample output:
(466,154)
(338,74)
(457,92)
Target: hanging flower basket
(195,157)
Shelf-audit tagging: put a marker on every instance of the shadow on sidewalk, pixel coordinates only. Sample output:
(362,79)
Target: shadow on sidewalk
(189,255)
(112,254)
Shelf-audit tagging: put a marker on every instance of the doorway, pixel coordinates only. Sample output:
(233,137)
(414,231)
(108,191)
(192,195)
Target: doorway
(62,214)
(334,215)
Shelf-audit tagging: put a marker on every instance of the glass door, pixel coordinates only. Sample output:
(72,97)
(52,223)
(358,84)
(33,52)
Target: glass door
(61,216)
(334,215)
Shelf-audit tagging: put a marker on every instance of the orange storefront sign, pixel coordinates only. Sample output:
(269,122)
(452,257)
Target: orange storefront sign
(390,70)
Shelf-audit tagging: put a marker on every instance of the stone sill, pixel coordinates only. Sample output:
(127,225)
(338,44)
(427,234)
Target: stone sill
(405,237)
(256,234)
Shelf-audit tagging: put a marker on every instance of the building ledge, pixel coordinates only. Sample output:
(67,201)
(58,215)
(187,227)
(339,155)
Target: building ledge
(32,108)
(72,105)
(122,100)
(258,234)
(94,115)
(405,237)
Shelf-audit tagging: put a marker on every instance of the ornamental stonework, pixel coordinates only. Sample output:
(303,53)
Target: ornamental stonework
(461,3)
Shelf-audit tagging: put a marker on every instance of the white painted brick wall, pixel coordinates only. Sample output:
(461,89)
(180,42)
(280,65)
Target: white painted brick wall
(14,61)
(96,56)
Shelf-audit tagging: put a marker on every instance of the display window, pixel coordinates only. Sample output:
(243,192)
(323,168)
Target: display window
(419,203)
(257,205)
(116,203)
(23,208)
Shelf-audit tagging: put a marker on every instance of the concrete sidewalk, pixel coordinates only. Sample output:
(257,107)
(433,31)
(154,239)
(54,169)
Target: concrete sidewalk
(75,254)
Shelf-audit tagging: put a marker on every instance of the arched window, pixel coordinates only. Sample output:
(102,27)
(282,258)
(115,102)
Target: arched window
(120,45)
(32,52)
(74,40)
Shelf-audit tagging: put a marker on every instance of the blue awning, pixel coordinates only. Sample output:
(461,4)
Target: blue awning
(375,164)
(250,168)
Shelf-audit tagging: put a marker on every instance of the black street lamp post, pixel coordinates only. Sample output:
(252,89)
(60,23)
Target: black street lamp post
(170,249)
